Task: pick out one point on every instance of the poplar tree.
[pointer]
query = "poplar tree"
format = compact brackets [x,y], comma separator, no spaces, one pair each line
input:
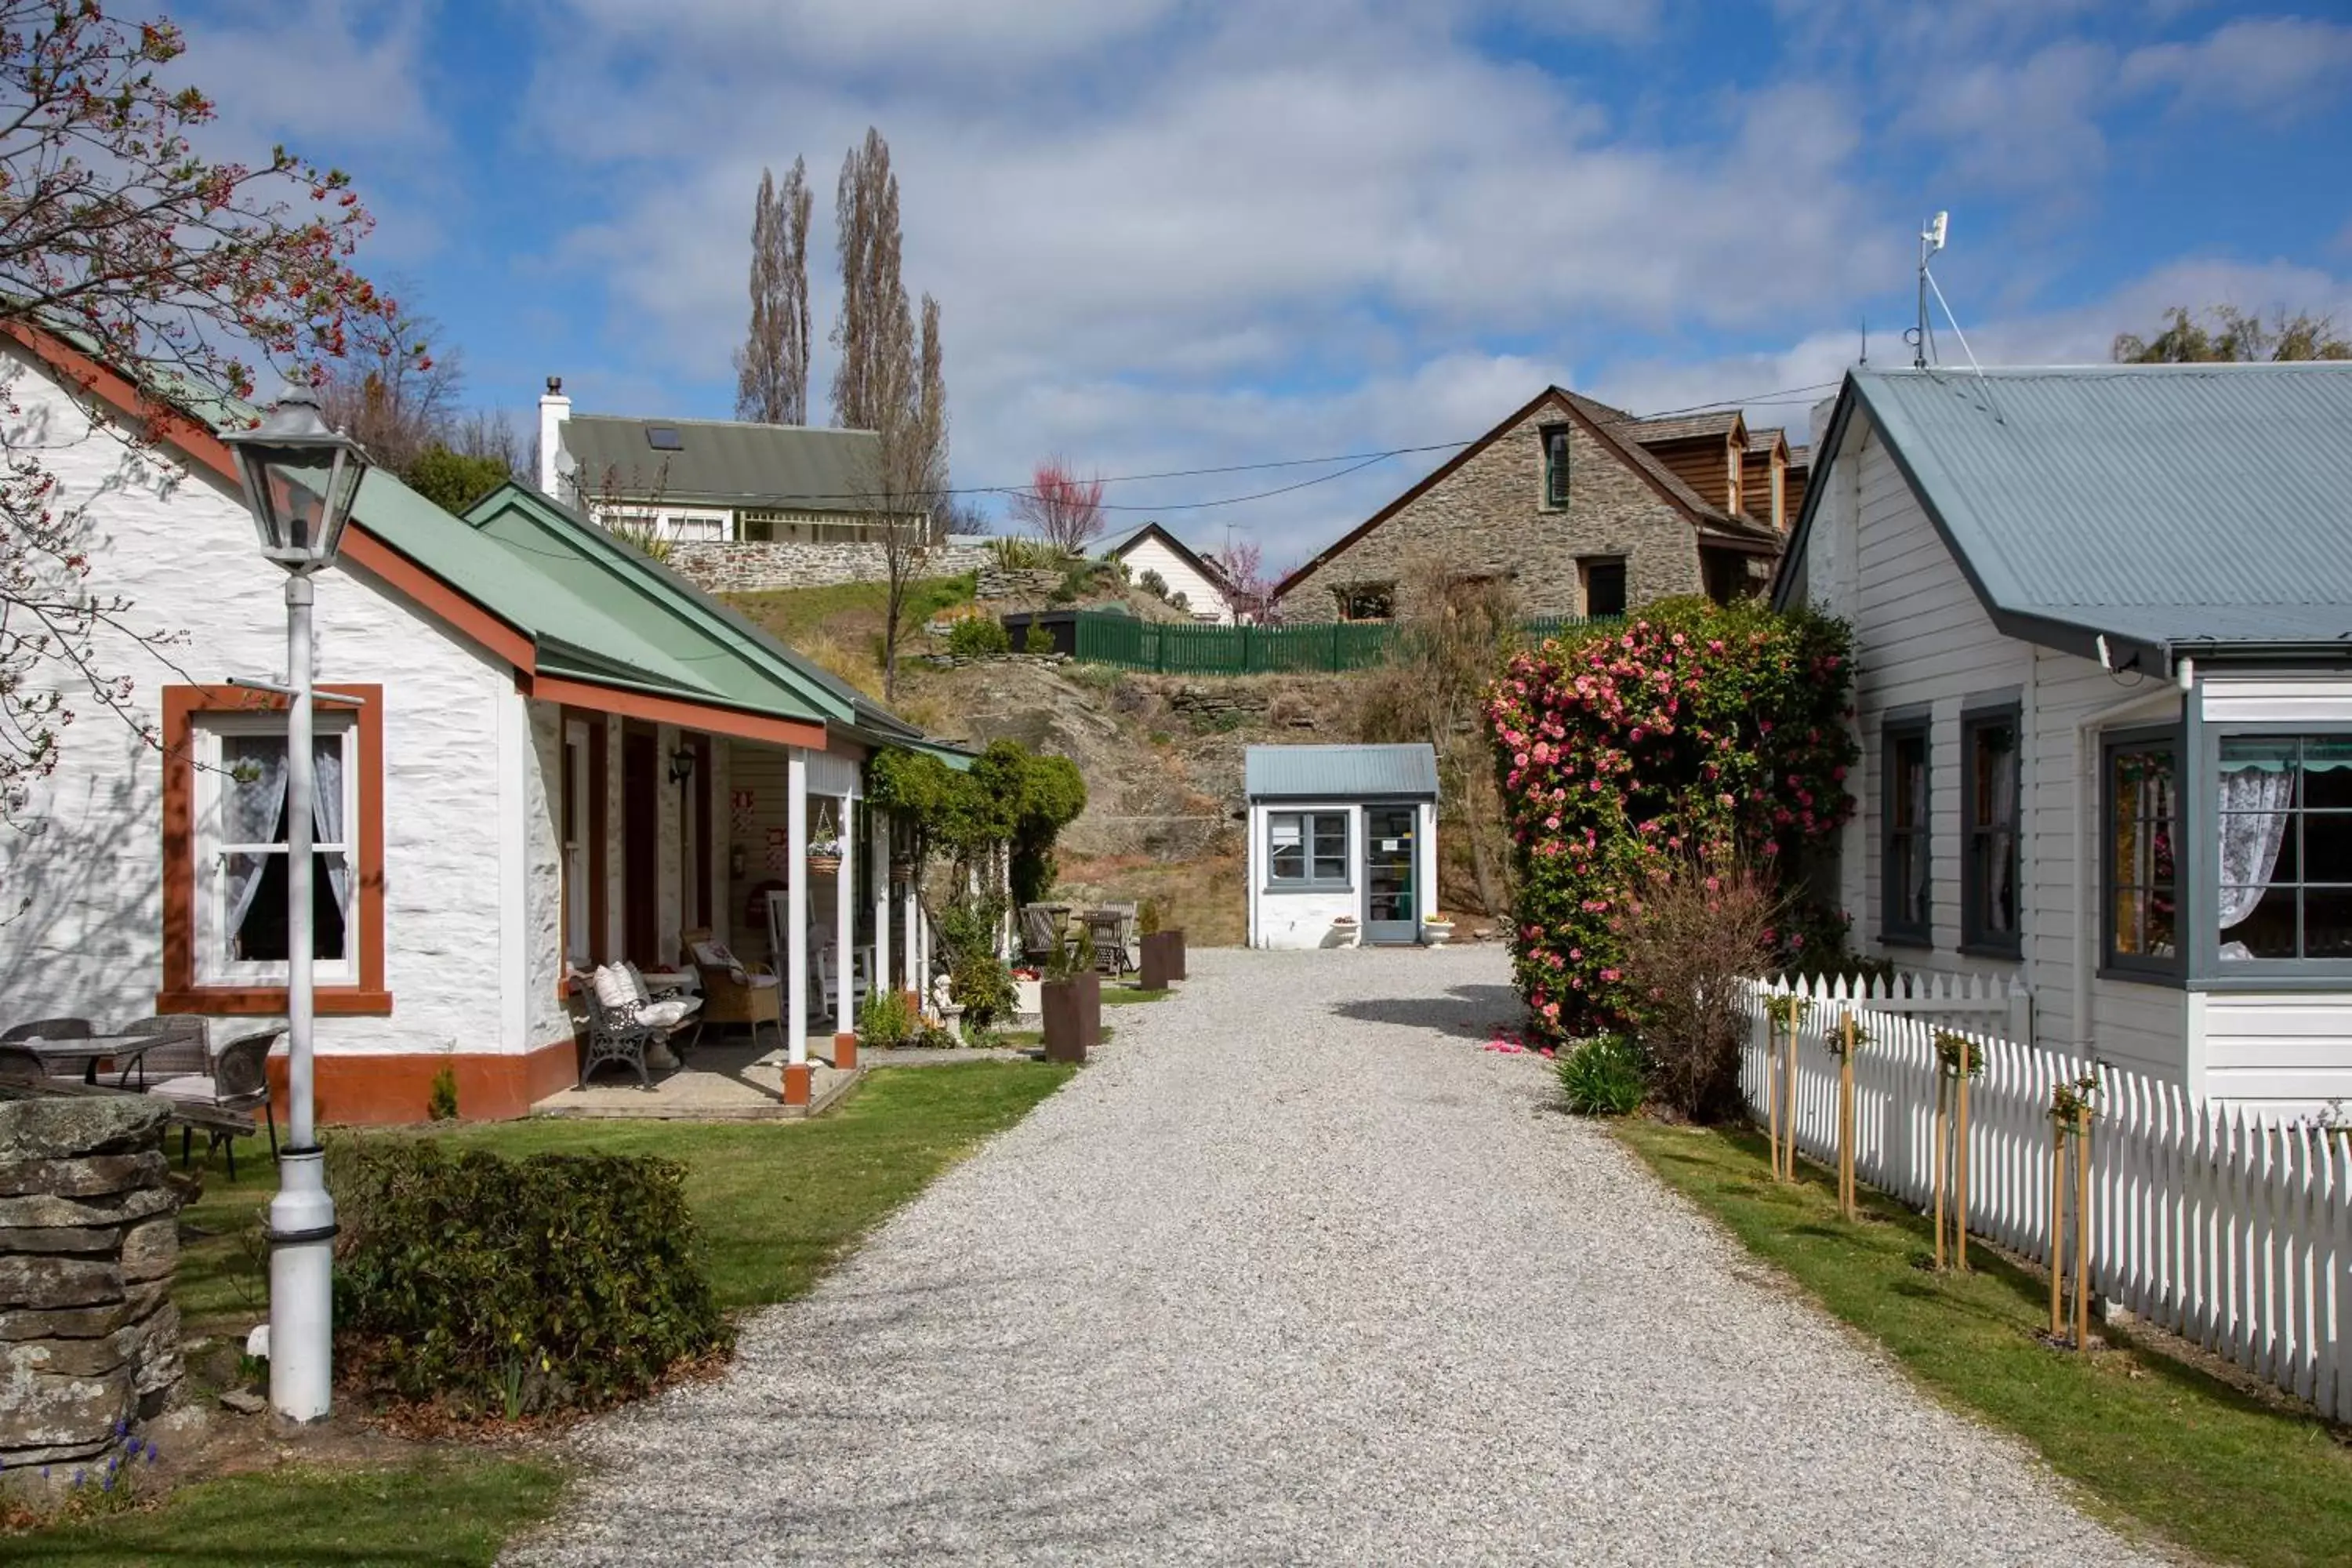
[771,369]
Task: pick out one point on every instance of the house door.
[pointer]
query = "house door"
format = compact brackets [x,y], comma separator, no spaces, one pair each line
[640,847]
[1392,901]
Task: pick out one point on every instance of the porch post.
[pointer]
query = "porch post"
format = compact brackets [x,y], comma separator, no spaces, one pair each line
[795,998]
[879,820]
[845,933]
[917,987]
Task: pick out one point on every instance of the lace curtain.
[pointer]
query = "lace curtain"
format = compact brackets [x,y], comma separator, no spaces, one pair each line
[2253,803]
[253,811]
[327,815]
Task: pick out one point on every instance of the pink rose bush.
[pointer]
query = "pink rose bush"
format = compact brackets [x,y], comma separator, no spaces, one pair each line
[1692,731]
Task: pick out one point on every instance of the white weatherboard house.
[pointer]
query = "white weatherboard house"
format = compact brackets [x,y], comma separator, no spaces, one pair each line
[1152,548]
[2104,638]
[1341,834]
[561,753]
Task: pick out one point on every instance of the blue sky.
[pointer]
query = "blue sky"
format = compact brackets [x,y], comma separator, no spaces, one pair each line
[1169,234]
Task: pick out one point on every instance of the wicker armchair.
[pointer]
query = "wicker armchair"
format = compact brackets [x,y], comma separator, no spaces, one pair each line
[734,992]
[190,1051]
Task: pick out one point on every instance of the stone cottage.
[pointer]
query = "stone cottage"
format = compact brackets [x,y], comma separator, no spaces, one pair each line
[1586,509]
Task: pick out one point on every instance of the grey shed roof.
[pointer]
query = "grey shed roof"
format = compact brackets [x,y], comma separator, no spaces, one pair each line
[792,468]
[1339,773]
[2172,507]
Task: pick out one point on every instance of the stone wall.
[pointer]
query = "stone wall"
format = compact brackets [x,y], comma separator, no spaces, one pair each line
[735,566]
[88,1240]
[1486,517]
[1025,582]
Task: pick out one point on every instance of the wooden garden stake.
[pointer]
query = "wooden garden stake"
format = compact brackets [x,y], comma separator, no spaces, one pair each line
[1845,1118]
[1960,1170]
[1942,1118]
[1772,1085]
[2083,1226]
[2058,1135]
[1789,1149]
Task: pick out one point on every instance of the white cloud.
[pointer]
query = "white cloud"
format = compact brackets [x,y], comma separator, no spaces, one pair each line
[2272,67]
[2032,122]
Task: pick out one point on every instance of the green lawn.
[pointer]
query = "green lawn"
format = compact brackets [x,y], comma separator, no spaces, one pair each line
[792,614]
[777,1203]
[1127,995]
[2237,1478]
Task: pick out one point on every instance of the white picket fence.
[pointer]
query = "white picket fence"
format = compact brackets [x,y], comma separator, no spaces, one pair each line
[2232,1233]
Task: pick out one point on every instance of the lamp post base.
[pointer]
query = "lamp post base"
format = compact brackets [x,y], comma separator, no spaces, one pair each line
[301,1286]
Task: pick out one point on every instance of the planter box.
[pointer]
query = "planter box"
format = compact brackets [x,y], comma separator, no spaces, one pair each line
[1434,934]
[1026,1000]
[1073,1017]
[1163,959]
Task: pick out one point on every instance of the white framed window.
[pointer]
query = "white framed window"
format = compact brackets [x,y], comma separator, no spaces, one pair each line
[1307,849]
[241,869]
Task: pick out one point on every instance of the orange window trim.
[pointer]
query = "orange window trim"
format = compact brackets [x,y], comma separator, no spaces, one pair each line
[681,712]
[179,992]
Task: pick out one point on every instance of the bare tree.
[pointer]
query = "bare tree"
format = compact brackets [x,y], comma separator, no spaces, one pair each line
[869,330]
[771,368]
[1059,508]
[393,403]
[1251,586]
[490,433]
[162,266]
[909,405]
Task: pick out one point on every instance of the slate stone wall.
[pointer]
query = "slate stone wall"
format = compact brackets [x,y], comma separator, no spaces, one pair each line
[1487,517]
[89,1240]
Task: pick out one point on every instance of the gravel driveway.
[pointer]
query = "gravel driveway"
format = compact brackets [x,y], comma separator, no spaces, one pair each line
[1294,1272]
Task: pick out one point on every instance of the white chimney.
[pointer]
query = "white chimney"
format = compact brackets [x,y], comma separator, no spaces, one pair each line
[554,408]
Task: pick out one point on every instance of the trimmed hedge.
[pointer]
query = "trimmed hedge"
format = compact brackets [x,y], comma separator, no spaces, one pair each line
[554,1280]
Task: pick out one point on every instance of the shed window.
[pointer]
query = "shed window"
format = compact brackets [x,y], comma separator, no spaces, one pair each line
[1904,821]
[1989,814]
[1368,602]
[1604,588]
[1307,848]
[1554,452]
[2140,865]
[2285,865]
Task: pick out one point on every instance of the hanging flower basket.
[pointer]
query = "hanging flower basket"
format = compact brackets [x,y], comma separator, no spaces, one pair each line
[825,865]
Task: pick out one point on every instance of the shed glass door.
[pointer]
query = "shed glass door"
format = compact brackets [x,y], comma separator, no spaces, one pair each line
[1391,904]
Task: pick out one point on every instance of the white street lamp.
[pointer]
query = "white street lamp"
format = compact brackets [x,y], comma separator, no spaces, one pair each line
[299,478]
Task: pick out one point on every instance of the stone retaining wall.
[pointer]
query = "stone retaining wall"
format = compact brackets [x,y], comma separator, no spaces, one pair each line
[1025,582]
[89,1240]
[736,566]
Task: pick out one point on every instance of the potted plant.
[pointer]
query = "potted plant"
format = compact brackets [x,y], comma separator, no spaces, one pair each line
[1071,1000]
[1345,933]
[824,846]
[1437,931]
[1162,950]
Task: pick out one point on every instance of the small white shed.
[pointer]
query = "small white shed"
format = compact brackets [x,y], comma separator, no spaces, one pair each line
[1152,548]
[1341,834]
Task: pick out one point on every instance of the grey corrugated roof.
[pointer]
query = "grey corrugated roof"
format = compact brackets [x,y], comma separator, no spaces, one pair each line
[1338,772]
[788,467]
[2172,506]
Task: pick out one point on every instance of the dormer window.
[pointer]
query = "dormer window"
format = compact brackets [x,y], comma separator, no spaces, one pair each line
[664,438]
[1555,459]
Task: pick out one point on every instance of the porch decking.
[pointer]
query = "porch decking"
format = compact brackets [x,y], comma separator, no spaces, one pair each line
[723,1081]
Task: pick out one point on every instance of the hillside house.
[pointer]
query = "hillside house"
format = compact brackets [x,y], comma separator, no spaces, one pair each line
[1587,509]
[2103,636]
[1152,548]
[552,752]
[711,480]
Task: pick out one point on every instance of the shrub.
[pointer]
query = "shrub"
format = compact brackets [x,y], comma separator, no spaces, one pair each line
[979,979]
[1149,918]
[887,1020]
[1690,939]
[1177,601]
[1698,730]
[1039,639]
[1015,553]
[559,1279]
[1602,1076]
[1153,583]
[978,636]
[441,1099]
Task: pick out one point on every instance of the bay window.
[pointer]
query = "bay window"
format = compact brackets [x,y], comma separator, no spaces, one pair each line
[1307,849]
[2284,865]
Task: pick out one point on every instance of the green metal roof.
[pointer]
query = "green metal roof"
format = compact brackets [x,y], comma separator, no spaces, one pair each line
[724,462]
[2174,508]
[1339,773]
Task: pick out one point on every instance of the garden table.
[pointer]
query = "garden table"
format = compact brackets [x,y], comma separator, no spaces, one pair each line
[92,1049]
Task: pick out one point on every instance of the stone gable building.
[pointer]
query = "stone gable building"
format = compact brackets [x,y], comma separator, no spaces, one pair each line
[1587,509]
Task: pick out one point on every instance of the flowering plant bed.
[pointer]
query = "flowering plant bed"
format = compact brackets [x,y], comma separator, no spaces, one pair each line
[1694,734]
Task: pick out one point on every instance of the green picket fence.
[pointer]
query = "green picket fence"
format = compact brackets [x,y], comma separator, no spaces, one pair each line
[1173,648]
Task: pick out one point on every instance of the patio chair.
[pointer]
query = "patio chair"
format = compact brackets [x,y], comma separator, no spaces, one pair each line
[1107,929]
[190,1053]
[734,992]
[669,1009]
[1040,935]
[221,1102]
[19,1065]
[621,1027]
[50,1030]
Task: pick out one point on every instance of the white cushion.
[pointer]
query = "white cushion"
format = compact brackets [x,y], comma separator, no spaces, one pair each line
[613,987]
[669,1012]
[759,982]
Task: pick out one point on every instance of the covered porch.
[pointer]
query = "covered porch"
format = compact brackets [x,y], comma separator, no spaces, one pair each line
[683,849]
